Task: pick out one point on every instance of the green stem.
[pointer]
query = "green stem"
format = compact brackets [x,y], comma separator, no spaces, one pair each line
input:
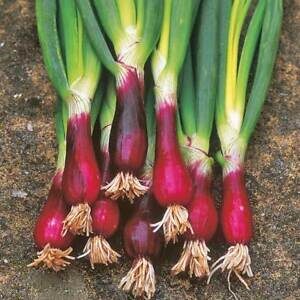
[266,59]
[107,114]
[186,101]
[109,16]
[237,18]
[151,29]
[60,135]
[71,35]
[151,126]
[46,12]
[108,105]
[224,9]
[206,69]
[96,37]
[96,103]
[89,80]
[127,13]
[249,47]
[140,11]
[181,23]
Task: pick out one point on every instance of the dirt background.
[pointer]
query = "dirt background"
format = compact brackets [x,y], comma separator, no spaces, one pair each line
[27,162]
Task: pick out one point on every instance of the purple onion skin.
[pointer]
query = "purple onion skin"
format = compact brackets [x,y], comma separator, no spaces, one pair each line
[81,179]
[49,224]
[172,183]
[106,217]
[203,215]
[138,235]
[128,143]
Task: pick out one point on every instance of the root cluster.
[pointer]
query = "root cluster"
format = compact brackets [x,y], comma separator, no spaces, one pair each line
[99,251]
[236,260]
[194,259]
[174,222]
[125,185]
[79,220]
[53,258]
[140,280]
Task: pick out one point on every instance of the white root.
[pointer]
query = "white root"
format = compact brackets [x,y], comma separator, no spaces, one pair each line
[125,185]
[174,222]
[194,259]
[79,220]
[53,258]
[236,260]
[99,251]
[140,280]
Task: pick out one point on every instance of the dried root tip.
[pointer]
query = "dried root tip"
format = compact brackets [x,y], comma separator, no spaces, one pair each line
[194,259]
[99,251]
[237,260]
[79,220]
[125,185]
[53,258]
[175,222]
[140,280]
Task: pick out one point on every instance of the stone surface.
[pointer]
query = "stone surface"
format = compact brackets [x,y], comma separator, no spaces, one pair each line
[27,162]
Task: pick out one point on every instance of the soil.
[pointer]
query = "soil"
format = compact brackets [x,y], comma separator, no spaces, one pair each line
[27,162]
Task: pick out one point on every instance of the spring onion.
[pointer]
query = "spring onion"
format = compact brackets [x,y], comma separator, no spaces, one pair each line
[236,119]
[74,71]
[54,249]
[172,183]
[197,103]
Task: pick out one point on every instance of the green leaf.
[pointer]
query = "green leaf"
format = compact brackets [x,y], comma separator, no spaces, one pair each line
[206,69]
[60,134]
[181,23]
[127,13]
[153,13]
[70,27]
[187,97]
[96,103]
[268,48]
[246,59]
[237,18]
[109,16]
[108,106]
[96,37]
[224,9]
[46,12]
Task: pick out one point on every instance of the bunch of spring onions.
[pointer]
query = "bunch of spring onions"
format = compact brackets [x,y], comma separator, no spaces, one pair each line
[156,153]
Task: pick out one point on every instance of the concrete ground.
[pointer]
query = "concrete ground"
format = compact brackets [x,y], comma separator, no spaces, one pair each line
[27,162]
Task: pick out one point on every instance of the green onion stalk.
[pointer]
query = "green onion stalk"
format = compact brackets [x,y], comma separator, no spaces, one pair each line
[133,27]
[196,115]
[54,249]
[172,183]
[74,71]
[236,118]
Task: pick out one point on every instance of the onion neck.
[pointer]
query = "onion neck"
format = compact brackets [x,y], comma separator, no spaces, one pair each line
[166,133]
[232,156]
